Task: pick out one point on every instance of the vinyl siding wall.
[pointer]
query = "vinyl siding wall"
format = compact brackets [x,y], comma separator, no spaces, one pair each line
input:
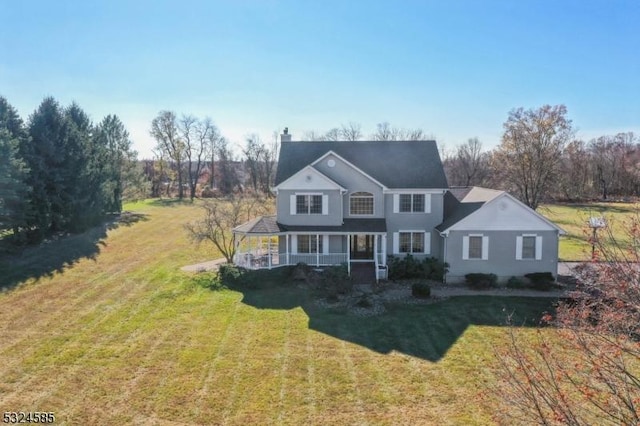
[353,181]
[332,218]
[415,222]
[501,259]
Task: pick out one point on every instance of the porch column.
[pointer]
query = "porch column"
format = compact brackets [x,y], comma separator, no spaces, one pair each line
[236,244]
[317,250]
[375,249]
[375,254]
[269,250]
[286,239]
[384,249]
[349,254]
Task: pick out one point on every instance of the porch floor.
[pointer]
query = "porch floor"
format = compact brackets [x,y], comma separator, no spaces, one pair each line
[363,273]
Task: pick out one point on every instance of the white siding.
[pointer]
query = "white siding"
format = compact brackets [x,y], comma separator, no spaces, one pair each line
[538,247]
[427,243]
[485,248]
[465,247]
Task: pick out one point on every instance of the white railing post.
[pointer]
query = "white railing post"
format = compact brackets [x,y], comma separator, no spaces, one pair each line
[349,254]
[375,254]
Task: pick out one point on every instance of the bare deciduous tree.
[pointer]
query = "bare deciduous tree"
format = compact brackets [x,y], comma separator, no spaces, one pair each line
[332,135]
[228,181]
[351,132]
[574,179]
[164,130]
[468,165]
[253,155]
[385,132]
[220,217]
[531,149]
[588,371]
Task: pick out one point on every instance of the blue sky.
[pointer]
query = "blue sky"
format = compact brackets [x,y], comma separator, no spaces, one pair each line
[452,68]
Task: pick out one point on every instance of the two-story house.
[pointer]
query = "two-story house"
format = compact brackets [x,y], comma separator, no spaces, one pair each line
[358,202]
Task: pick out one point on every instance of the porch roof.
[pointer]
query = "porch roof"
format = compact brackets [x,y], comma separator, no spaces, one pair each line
[263,225]
[359,226]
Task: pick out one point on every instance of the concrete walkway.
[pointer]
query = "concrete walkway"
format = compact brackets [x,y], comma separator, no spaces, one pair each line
[211,265]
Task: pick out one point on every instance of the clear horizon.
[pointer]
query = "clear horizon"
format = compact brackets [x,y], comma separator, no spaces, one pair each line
[454,70]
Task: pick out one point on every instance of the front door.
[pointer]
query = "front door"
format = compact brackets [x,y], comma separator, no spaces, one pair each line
[361,246]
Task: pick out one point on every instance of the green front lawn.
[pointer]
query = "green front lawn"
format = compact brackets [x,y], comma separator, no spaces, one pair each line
[573,218]
[110,331]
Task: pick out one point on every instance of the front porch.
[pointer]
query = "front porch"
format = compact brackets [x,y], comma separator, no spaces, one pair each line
[265,244]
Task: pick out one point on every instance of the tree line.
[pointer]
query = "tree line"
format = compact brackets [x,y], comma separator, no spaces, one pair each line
[187,147]
[60,172]
[539,159]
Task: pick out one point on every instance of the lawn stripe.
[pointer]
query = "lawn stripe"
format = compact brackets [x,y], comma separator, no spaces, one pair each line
[45,361]
[283,368]
[212,366]
[233,399]
[311,376]
[74,372]
[351,370]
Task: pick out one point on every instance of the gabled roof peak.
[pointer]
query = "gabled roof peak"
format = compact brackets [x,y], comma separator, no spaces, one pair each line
[394,164]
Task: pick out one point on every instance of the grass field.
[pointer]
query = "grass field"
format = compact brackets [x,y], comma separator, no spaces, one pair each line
[103,328]
[573,218]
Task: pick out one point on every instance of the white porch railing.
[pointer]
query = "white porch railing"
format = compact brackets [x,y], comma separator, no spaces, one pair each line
[256,260]
[318,259]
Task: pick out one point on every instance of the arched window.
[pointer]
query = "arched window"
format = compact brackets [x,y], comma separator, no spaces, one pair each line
[361,203]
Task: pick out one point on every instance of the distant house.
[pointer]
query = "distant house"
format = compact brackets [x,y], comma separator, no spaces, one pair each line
[359,202]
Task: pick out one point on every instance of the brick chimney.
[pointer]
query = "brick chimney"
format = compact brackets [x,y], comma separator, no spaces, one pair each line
[285,136]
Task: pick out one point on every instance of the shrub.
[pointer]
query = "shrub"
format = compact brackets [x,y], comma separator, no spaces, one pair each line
[335,280]
[364,302]
[409,267]
[208,280]
[516,282]
[229,274]
[542,281]
[233,276]
[481,281]
[421,290]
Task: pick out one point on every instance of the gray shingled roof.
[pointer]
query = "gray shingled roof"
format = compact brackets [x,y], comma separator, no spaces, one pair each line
[460,202]
[395,164]
[349,225]
[265,225]
[259,225]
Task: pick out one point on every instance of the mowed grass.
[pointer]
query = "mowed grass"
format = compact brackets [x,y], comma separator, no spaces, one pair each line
[119,335]
[573,218]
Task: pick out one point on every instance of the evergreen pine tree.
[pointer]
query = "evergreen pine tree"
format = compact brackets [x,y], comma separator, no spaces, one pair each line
[13,189]
[45,156]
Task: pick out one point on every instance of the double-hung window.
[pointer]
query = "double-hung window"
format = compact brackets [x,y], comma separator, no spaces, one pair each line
[309,204]
[416,242]
[528,247]
[310,244]
[475,247]
[412,203]
[361,203]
